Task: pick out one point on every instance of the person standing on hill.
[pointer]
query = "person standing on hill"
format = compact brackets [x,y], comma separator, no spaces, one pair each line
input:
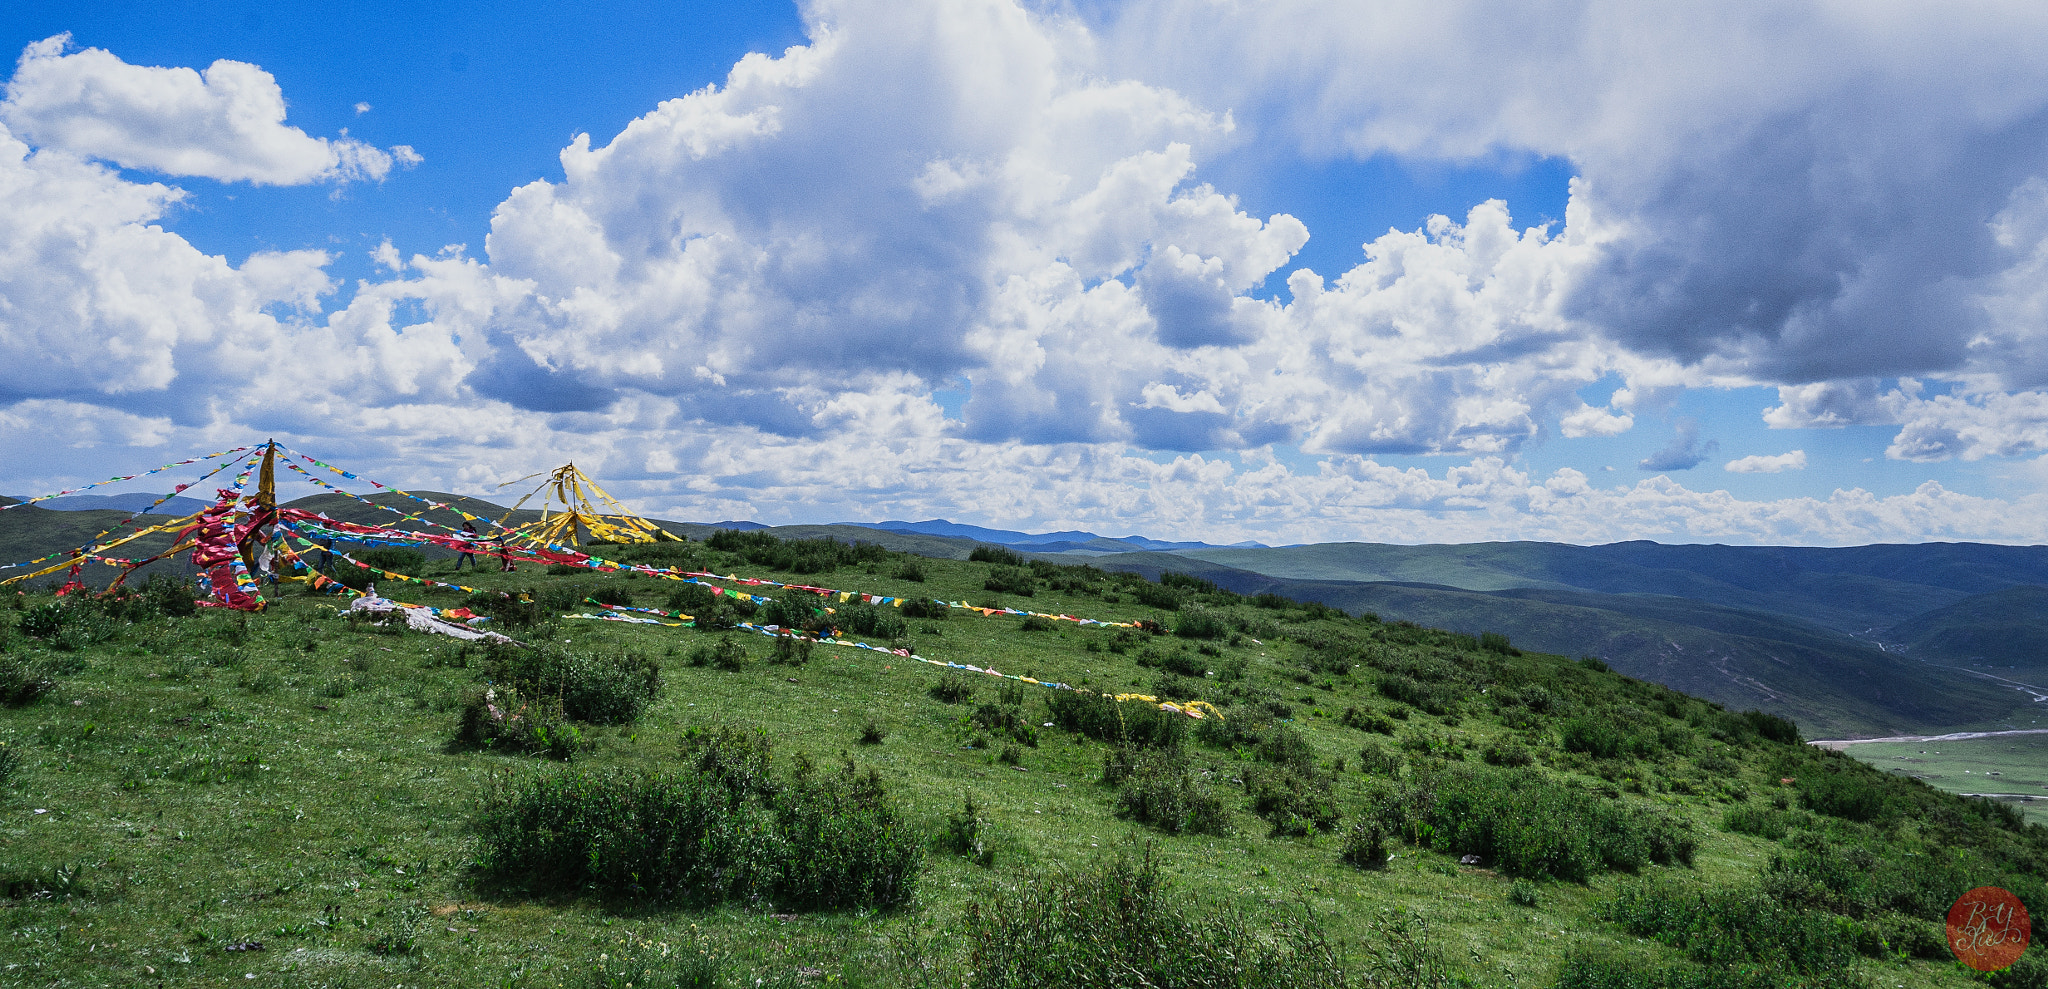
[468,546]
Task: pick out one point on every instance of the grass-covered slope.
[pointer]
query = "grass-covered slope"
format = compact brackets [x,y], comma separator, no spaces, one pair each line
[2006,628]
[311,800]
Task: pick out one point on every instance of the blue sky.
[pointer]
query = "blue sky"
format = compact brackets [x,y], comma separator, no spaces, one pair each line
[1047,265]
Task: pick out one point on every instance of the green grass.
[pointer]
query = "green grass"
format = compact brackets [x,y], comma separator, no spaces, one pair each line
[192,787]
[2015,764]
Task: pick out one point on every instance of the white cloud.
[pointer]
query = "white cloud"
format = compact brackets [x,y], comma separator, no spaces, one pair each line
[225,123]
[1758,463]
[1589,421]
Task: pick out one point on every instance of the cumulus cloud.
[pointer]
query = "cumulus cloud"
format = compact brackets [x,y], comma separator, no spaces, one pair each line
[1770,216]
[224,123]
[1684,452]
[1758,463]
[743,304]
[1589,421]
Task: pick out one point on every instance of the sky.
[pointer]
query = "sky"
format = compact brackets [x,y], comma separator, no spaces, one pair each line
[1288,271]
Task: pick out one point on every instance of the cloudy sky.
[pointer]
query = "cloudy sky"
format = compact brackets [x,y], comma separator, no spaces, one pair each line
[1288,270]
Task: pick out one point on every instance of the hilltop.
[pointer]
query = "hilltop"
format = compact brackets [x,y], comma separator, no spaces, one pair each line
[306,796]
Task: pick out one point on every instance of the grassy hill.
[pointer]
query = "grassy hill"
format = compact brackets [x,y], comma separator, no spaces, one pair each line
[315,800]
[2005,629]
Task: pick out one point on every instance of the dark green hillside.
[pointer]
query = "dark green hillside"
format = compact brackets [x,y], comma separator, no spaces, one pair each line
[2006,628]
[313,800]
[1836,685]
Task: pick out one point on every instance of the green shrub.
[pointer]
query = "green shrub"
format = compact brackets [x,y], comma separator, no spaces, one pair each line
[794,555]
[967,834]
[727,829]
[1532,826]
[790,650]
[397,559]
[985,553]
[1105,720]
[794,609]
[690,599]
[23,680]
[1375,760]
[1496,642]
[1365,846]
[871,732]
[929,608]
[1378,724]
[1157,596]
[1295,799]
[1160,791]
[512,609]
[1176,661]
[1603,736]
[725,654]
[1763,822]
[1523,893]
[1432,698]
[504,720]
[1724,926]
[601,688]
[1506,752]
[952,687]
[1122,924]
[868,620]
[1853,792]
[1010,580]
[173,597]
[1200,623]
[912,571]
[1006,719]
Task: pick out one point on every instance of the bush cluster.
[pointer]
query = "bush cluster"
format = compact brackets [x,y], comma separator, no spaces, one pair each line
[1530,825]
[727,829]
[505,720]
[1200,623]
[1160,790]
[1433,698]
[1010,580]
[866,619]
[1122,924]
[1103,719]
[600,688]
[1001,556]
[1296,800]
[794,555]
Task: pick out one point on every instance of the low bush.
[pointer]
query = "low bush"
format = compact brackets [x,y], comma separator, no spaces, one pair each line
[967,834]
[866,619]
[1296,800]
[790,650]
[724,654]
[952,687]
[397,559]
[1121,923]
[1176,661]
[23,680]
[504,720]
[1530,825]
[1160,791]
[802,611]
[1727,926]
[690,599]
[1378,724]
[1496,642]
[601,688]
[794,555]
[912,571]
[726,829]
[1375,760]
[1365,846]
[1105,720]
[1764,822]
[985,553]
[1006,719]
[1200,623]
[1157,596]
[1506,752]
[1432,698]
[1604,737]
[1010,580]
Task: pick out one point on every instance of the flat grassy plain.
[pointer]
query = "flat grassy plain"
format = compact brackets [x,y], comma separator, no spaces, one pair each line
[274,799]
[2014,764]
